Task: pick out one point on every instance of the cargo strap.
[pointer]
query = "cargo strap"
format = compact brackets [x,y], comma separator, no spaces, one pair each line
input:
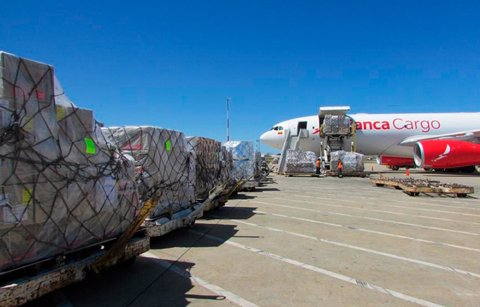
[116,252]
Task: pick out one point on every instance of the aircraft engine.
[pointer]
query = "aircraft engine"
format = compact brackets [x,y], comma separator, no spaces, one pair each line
[440,154]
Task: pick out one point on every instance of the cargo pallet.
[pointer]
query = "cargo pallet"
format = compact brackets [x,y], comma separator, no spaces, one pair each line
[25,284]
[184,218]
[250,185]
[215,198]
[414,187]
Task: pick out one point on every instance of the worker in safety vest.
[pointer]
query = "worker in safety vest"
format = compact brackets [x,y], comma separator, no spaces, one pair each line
[340,169]
[317,166]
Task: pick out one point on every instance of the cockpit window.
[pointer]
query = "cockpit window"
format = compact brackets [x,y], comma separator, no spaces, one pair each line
[280,128]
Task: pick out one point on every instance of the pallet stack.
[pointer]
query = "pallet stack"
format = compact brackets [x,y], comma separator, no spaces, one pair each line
[62,186]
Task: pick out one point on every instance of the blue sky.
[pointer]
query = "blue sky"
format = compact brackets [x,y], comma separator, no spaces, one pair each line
[173,63]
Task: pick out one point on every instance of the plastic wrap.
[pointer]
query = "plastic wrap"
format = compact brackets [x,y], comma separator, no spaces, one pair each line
[336,124]
[164,165]
[258,164]
[352,161]
[226,162]
[62,186]
[207,164]
[243,159]
[299,161]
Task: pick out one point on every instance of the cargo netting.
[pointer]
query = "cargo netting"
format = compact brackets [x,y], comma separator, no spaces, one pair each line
[258,165]
[300,161]
[352,161]
[62,186]
[165,167]
[243,159]
[336,124]
[207,165]
[226,162]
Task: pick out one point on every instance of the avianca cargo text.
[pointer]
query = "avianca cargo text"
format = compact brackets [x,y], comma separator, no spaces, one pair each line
[399,124]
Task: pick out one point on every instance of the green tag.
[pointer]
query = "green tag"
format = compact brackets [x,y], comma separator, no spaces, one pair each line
[28,124]
[168,145]
[60,112]
[26,196]
[90,147]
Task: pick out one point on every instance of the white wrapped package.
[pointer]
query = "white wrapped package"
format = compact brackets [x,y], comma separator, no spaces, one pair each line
[62,187]
[207,165]
[352,161]
[336,124]
[243,159]
[299,162]
[164,164]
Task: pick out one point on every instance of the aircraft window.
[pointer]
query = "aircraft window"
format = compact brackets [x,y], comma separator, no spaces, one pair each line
[275,128]
[280,128]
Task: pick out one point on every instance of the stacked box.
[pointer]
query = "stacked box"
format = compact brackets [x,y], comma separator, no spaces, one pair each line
[164,164]
[243,159]
[352,161]
[226,163]
[300,162]
[336,124]
[207,164]
[61,186]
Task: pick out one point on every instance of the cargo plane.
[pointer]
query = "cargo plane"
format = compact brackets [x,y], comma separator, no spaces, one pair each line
[436,141]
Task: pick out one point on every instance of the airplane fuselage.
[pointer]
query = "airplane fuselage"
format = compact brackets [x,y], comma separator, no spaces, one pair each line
[379,134]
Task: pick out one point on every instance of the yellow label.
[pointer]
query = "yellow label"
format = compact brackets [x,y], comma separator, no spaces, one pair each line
[60,111]
[28,124]
[26,196]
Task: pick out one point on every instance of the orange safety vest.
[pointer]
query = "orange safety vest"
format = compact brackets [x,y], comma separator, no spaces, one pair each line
[317,163]
[340,165]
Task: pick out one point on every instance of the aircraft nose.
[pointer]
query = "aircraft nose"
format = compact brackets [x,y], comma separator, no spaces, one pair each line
[266,138]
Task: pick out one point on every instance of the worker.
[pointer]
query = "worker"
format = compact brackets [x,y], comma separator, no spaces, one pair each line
[340,168]
[317,166]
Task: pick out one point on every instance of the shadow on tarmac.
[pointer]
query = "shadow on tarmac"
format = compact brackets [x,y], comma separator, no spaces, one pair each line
[242,196]
[193,238]
[262,189]
[231,213]
[147,282]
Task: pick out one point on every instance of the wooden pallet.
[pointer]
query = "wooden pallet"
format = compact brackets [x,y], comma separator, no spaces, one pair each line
[414,187]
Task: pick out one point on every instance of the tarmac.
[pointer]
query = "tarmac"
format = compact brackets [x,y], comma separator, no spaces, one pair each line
[308,241]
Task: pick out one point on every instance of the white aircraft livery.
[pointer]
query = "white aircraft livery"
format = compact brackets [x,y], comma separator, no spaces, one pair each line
[428,140]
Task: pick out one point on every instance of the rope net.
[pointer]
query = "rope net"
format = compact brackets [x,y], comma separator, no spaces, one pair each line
[62,185]
[226,164]
[207,165]
[165,166]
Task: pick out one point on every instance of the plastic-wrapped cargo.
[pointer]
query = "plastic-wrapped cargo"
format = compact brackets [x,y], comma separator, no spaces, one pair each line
[243,159]
[164,165]
[207,164]
[62,187]
[226,163]
[258,165]
[300,162]
[336,124]
[352,161]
